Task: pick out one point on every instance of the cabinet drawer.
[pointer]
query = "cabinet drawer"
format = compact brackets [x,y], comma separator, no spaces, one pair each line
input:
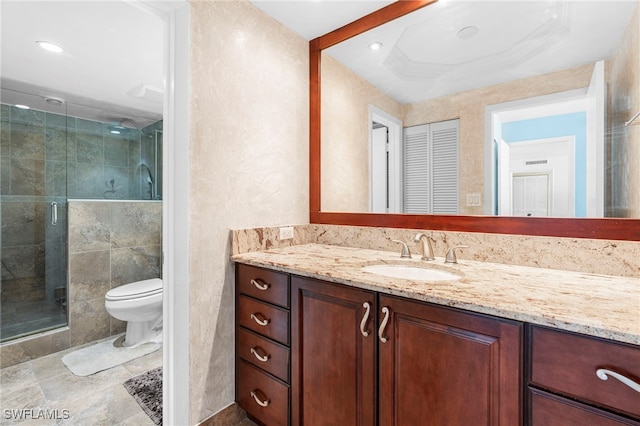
[252,314]
[263,284]
[263,353]
[552,410]
[567,363]
[267,390]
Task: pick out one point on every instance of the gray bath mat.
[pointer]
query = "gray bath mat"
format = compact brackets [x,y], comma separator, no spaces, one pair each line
[104,355]
[146,389]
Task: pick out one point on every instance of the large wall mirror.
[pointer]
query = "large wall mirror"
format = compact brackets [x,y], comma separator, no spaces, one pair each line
[502,117]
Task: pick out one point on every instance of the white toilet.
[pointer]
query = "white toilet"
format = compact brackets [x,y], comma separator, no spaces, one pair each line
[140,305]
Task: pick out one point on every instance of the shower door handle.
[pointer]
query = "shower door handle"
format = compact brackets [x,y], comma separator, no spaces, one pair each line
[54,213]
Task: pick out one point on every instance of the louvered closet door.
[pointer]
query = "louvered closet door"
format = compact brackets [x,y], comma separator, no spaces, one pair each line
[431,168]
[417,166]
[444,137]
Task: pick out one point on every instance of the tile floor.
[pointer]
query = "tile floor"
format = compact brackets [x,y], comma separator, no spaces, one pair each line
[47,384]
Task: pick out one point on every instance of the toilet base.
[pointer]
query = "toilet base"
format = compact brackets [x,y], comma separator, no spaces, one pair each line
[141,331]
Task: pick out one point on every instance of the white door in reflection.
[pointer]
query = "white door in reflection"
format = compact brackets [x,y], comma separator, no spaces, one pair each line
[544,171]
[379,169]
[531,194]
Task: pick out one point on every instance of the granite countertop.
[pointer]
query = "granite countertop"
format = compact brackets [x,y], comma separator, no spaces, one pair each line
[597,305]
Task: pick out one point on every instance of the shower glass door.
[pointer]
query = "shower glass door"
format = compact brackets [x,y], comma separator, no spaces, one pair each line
[33,199]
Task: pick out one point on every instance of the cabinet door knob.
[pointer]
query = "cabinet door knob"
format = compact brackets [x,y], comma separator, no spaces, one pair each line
[261,358]
[260,285]
[365,318]
[603,373]
[262,322]
[258,401]
[383,325]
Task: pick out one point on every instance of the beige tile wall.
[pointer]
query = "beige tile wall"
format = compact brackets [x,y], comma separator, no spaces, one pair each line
[110,244]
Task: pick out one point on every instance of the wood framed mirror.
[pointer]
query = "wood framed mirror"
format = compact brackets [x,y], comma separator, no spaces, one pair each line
[598,228]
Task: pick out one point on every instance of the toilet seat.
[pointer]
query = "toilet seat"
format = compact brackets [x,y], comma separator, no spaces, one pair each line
[135,290]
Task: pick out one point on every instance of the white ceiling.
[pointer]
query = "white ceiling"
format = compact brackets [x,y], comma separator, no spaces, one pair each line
[114,46]
[111,47]
[422,57]
[313,18]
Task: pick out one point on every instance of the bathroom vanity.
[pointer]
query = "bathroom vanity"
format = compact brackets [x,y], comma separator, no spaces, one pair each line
[321,341]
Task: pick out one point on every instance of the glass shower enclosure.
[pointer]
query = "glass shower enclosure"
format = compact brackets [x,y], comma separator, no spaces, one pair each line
[33,184]
[46,158]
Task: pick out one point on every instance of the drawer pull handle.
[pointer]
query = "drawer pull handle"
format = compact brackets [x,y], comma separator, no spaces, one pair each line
[262,322]
[365,318]
[264,286]
[258,401]
[259,357]
[602,375]
[385,320]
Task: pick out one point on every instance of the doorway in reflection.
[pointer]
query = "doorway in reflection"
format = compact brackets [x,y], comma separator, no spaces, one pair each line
[547,153]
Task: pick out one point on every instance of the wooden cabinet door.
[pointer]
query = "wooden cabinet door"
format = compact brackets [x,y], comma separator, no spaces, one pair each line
[440,366]
[333,364]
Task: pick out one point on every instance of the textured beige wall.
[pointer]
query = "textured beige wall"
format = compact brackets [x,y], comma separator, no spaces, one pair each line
[249,167]
[469,108]
[624,88]
[345,136]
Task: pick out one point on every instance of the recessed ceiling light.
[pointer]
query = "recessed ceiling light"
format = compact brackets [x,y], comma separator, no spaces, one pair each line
[22,106]
[376,45]
[51,47]
[116,130]
[468,32]
[54,101]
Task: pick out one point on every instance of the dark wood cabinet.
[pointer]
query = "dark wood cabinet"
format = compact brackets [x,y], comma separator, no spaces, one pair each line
[442,366]
[436,365]
[262,345]
[581,371]
[333,361]
[310,353]
[548,409]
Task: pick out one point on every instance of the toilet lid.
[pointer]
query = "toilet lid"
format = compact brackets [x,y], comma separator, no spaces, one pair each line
[136,289]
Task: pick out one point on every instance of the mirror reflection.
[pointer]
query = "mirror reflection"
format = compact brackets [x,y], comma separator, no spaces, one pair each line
[462,110]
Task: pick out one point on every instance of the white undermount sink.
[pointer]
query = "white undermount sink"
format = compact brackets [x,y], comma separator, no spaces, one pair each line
[408,272]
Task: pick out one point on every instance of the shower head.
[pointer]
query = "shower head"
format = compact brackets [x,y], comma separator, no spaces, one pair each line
[120,128]
[130,121]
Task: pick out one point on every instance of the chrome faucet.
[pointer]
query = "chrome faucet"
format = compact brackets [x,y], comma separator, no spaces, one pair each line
[427,248]
[405,249]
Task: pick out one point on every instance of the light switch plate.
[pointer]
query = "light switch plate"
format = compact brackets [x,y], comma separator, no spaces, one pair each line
[473,200]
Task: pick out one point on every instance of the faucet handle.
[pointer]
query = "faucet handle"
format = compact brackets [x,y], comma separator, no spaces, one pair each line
[405,249]
[451,254]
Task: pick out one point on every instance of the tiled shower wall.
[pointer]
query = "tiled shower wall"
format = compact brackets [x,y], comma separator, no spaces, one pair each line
[47,157]
[51,154]
[110,243]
